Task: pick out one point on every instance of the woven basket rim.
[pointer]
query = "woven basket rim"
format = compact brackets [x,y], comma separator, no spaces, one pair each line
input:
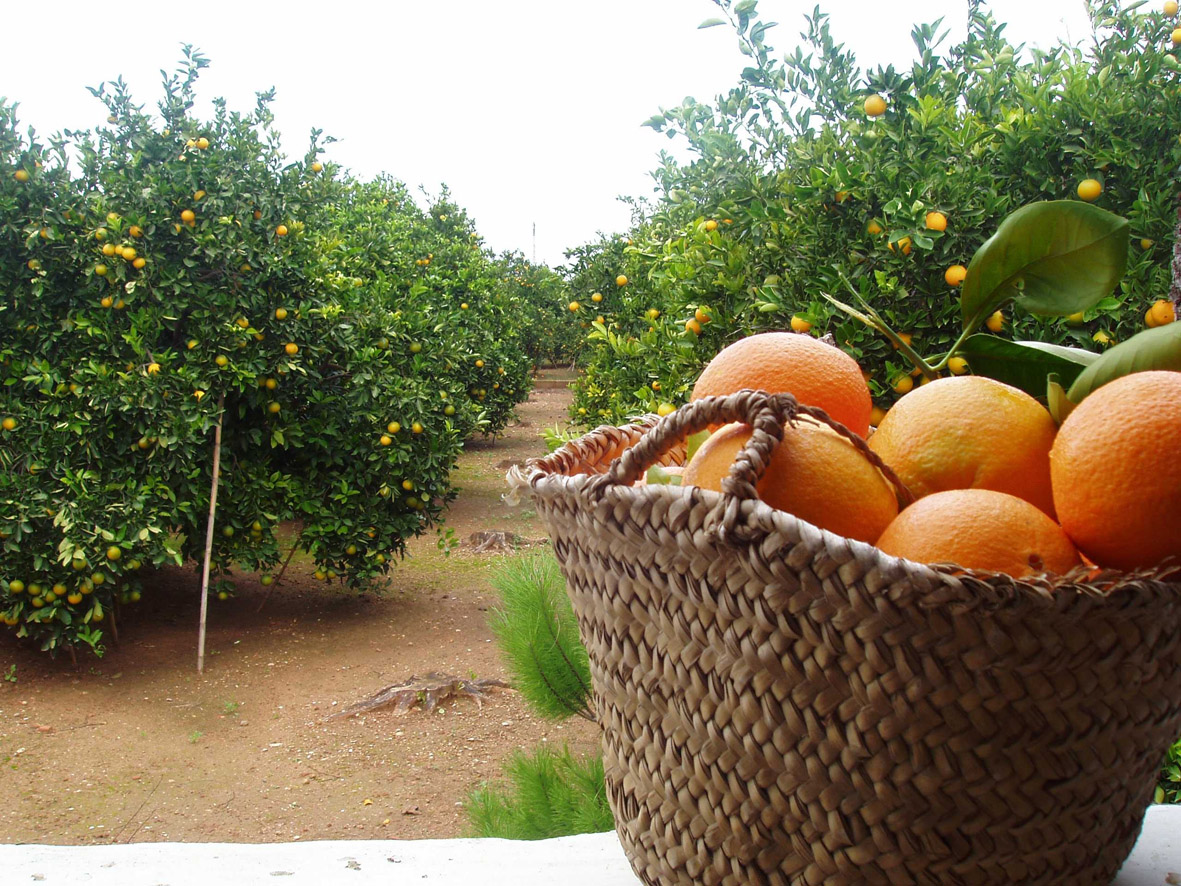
[545,475]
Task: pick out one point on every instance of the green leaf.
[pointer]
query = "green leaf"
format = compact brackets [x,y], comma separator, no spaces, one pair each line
[1053,257]
[658,476]
[1024,364]
[1158,348]
[1056,399]
[694,443]
[711,23]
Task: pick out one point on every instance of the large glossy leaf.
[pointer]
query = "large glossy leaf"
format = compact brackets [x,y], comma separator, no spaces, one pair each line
[1158,348]
[1053,257]
[1024,364]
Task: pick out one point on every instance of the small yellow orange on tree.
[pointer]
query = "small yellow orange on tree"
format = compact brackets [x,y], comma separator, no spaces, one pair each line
[874,106]
[955,275]
[691,325]
[273,407]
[1116,471]
[317,166]
[188,217]
[1146,244]
[702,315]
[281,231]
[596,297]
[1101,338]
[995,321]
[114,552]
[980,529]
[1161,313]
[291,348]
[957,366]
[799,324]
[816,373]
[814,473]
[574,306]
[280,313]
[100,270]
[135,231]
[621,280]
[108,249]
[393,427]
[385,439]
[873,227]
[416,428]
[904,384]
[153,368]
[140,263]
[903,246]
[1170,7]
[8,423]
[936,221]
[1089,190]
[711,226]
[969,431]
[1176,36]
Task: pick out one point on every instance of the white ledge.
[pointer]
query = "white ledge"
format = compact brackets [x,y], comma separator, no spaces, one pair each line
[587,860]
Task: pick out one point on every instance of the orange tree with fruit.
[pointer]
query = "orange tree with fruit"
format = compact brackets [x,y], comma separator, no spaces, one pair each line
[162,275]
[813,176]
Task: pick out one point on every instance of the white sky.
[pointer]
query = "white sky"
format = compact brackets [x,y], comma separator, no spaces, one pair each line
[530,111]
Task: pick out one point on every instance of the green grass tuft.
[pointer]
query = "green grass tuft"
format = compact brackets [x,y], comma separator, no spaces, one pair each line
[549,794]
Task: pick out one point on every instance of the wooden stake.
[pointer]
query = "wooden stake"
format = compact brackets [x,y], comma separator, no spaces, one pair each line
[279,577]
[209,535]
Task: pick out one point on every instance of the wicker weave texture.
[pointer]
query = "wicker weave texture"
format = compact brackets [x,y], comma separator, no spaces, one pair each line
[781,705]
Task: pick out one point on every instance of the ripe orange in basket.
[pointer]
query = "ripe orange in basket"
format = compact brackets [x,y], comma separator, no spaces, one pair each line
[816,373]
[969,432]
[814,473]
[980,529]
[1116,469]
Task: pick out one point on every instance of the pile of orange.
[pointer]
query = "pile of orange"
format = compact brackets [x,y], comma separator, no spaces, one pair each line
[997,485]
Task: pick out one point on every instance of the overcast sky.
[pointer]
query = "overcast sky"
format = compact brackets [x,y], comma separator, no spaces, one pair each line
[530,111]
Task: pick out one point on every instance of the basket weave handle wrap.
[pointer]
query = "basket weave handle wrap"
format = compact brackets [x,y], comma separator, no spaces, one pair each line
[766,414]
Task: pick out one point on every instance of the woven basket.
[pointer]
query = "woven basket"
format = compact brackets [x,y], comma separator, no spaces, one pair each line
[783,705]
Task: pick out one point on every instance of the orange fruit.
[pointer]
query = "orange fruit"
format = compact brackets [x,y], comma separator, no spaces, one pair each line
[1161,313]
[936,221]
[980,529]
[1089,189]
[799,324]
[875,106]
[969,432]
[814,474]
[955,275]
[816,373]
[1116,471]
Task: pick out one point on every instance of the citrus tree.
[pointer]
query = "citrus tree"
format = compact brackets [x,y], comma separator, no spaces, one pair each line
[837,180]
[164,275]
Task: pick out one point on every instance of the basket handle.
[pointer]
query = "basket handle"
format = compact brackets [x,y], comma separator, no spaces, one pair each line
[766,414]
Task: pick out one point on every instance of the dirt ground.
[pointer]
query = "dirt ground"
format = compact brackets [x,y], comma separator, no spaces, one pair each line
[137,746]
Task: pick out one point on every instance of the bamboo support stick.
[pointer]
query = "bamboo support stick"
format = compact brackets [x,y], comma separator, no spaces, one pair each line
[209,536]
